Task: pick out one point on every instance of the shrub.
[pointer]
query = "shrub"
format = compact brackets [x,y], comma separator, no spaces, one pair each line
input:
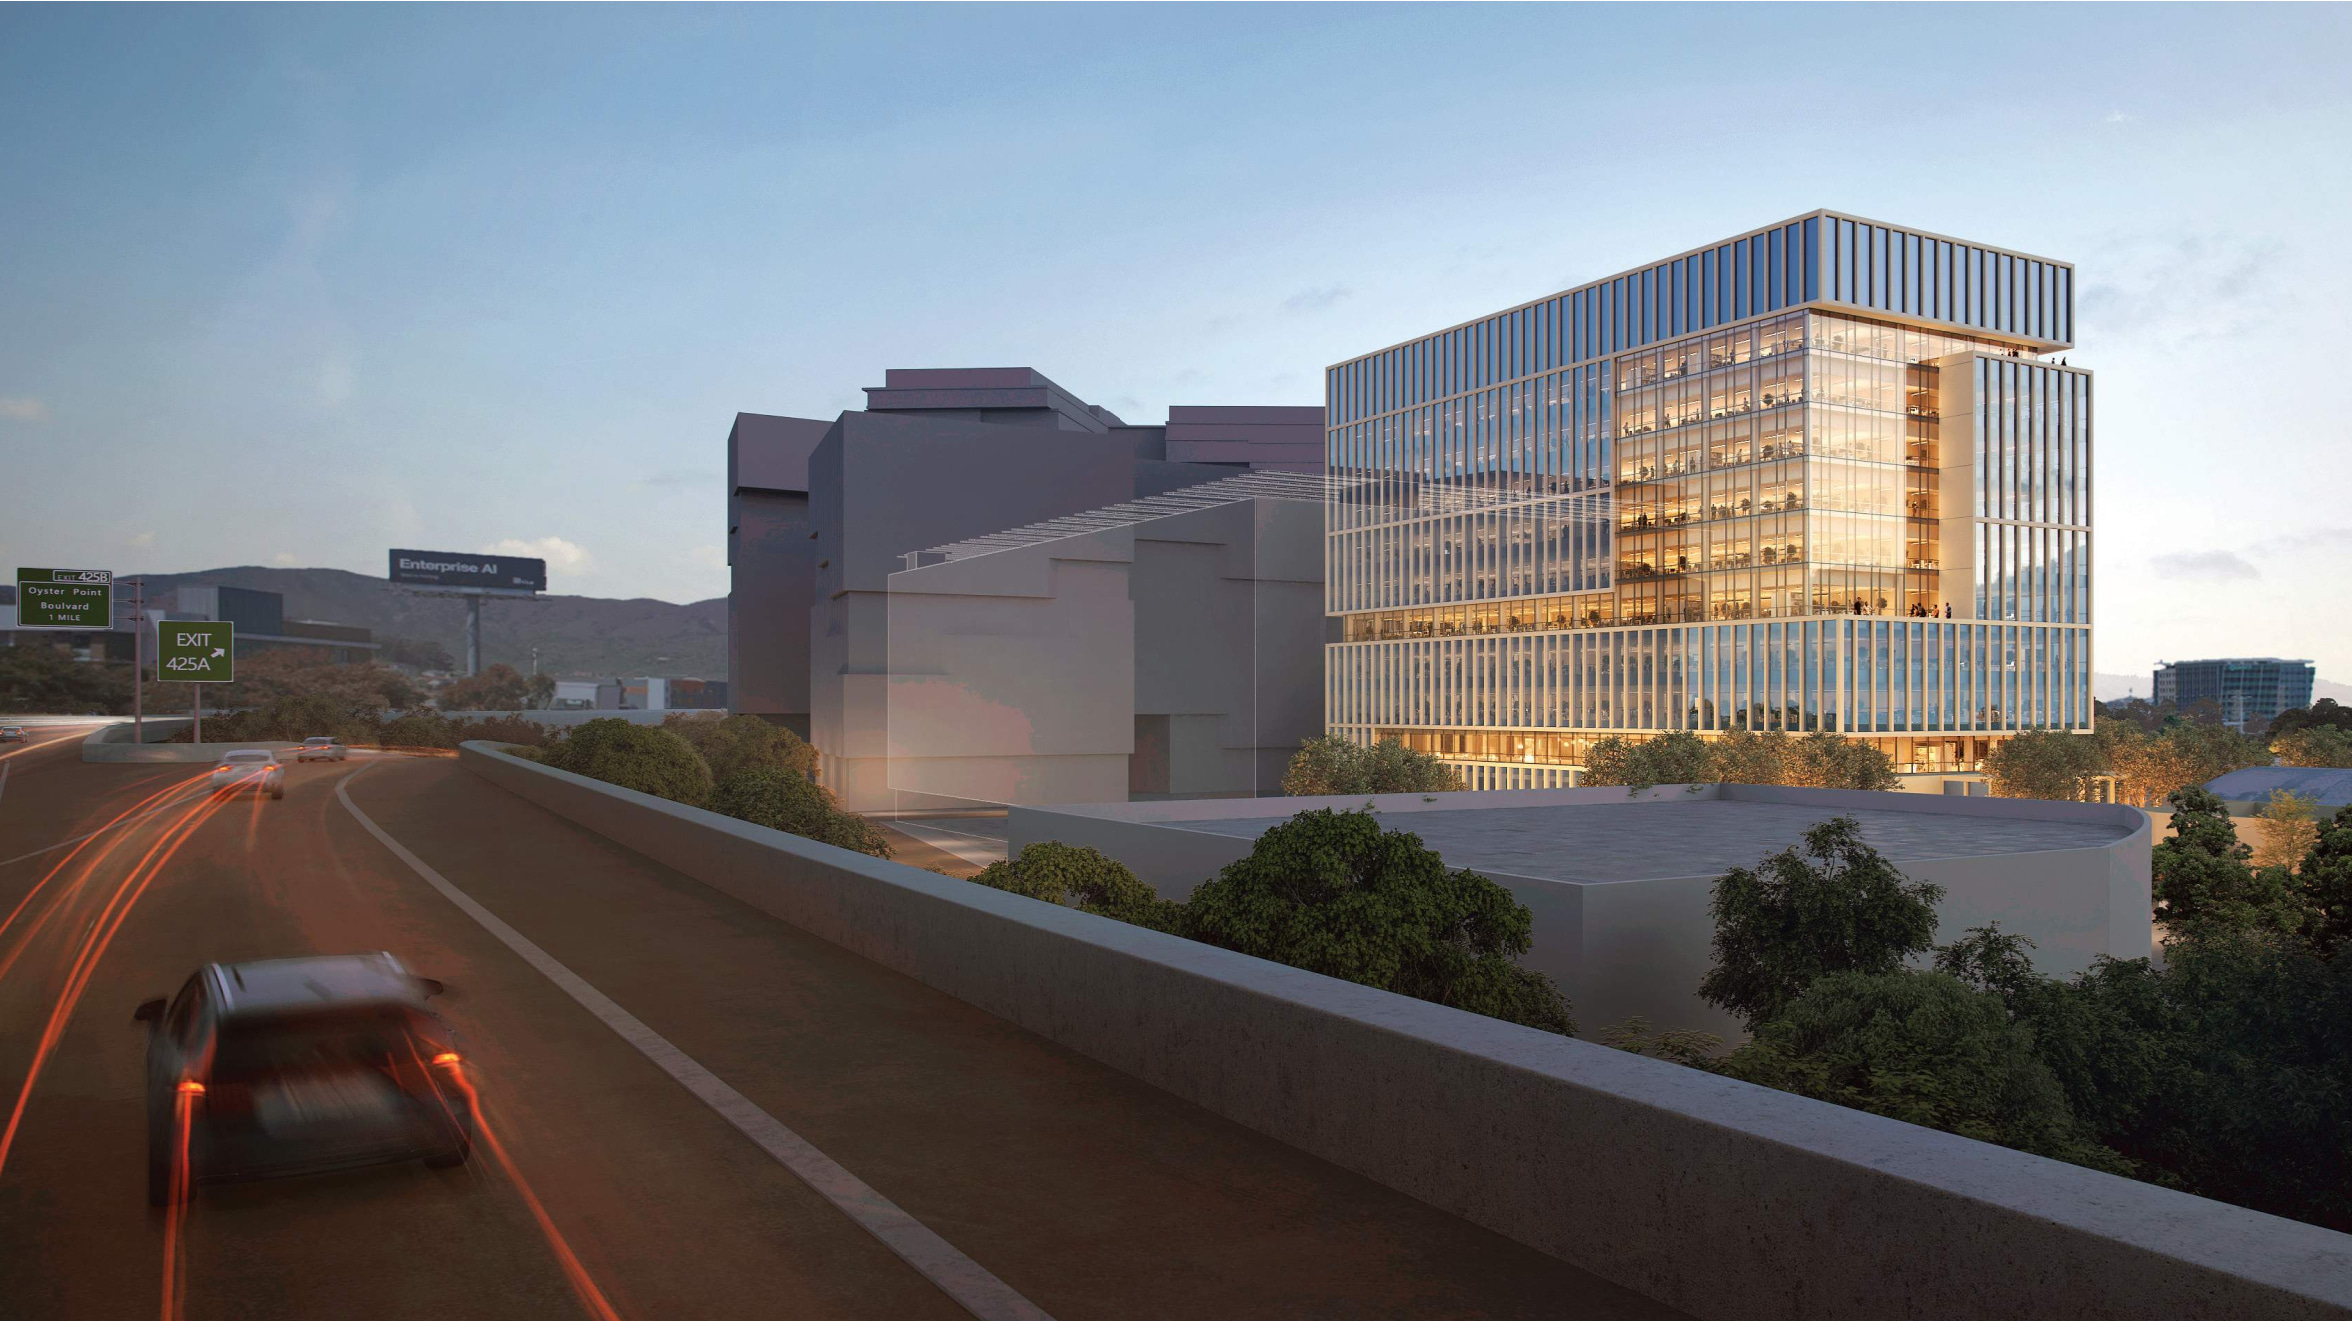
[1331,892]
[1831,905]
[1677,758]
[1822,760]
[739,742]
[1332,765]
[641,757]
[793,803]
[1084,879]
[1925,1048]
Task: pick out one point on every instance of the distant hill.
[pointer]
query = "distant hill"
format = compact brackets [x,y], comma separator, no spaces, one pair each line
[578,637]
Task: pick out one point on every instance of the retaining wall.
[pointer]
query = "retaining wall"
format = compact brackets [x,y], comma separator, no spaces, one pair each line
[1714,1196]
[113,743]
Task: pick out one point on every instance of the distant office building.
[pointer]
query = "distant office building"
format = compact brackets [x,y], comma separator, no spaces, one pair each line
[1827,475]
[2251,692]
[652,693]
[936,457]
[574,695]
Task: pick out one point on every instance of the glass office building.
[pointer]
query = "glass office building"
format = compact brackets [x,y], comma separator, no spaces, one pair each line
[2251,691]
[1828,475]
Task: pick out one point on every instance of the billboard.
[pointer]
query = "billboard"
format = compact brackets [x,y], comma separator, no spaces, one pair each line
[436,568]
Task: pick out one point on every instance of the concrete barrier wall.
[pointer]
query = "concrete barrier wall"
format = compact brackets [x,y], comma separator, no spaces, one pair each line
[1723,1199]
[112,744]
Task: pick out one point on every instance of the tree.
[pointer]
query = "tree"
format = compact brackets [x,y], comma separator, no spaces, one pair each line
[1922,1047]
[641,757]
[2044,763]
[498,688]
[1084,879]
[415,655]
[2314,745]
[1832,904]
[2202,878]
[36,678]
[742,741]
[2290,826]
[1676,1045]
[1681,757]
[1332,892]
[2326,874]
[1332,765]
[2326,713]
[541,689]
[1743,756]
[1822,760]
[791,802]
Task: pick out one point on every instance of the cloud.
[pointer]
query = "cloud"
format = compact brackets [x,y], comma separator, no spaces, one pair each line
[559,553]
[683,477]
[2316,539]
[285,557]
[2209,564]
[23,408]
[143,540]
[2118,117]
[1315,300]
[2183,288]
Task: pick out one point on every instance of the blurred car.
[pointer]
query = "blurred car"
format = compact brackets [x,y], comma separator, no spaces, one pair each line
[293,1066]
[322,749]
[12,734]
[250,768]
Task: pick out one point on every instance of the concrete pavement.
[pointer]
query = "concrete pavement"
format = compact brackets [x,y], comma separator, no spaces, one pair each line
[1090,1193]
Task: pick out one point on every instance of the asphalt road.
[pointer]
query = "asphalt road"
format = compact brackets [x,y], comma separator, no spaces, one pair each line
[1091,1194]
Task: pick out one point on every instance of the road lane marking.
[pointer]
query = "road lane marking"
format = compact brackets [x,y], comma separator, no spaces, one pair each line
[52,848]
[3,778]
[967,1282]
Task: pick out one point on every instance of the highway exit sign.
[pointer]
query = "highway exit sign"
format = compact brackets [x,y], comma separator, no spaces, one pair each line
[196,651]
[65,598]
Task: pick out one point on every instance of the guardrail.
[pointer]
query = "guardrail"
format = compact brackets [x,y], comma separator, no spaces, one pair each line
[1714,1196]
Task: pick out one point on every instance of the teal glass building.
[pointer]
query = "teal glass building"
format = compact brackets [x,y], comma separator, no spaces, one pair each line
[1831,474]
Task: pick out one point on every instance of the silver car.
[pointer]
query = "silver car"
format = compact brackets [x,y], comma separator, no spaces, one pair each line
[322,749]
[12,734]
[249,768]
[291,1066]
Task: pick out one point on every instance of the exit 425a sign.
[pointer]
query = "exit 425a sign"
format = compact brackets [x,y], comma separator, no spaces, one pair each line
[196,651]
[65,598]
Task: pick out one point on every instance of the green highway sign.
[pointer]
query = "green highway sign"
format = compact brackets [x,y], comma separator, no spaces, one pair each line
[196,651]
[65,598]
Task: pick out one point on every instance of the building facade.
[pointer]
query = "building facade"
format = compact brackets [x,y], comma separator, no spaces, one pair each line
[1828,475]
[2251,691]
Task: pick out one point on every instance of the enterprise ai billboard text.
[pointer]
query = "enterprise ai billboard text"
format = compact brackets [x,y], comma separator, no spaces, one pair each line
[435,568]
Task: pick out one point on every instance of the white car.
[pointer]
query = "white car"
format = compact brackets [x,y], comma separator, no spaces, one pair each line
[250,768]
[322,749]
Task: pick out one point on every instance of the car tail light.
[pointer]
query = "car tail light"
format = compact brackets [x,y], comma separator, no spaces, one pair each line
[191,1087]
[447,1057]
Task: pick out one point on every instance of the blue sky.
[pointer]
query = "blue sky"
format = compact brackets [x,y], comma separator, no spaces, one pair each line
[291,285]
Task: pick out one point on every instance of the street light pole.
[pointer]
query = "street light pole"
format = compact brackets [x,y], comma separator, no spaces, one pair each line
[138,659]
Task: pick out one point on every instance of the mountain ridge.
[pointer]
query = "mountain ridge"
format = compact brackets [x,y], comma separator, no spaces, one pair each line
[578,637]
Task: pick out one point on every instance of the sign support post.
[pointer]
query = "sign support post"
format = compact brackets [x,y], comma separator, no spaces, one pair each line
[196,652]
[138,659]
[196,705]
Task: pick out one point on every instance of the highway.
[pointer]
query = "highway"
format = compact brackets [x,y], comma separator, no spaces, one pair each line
[609,1189]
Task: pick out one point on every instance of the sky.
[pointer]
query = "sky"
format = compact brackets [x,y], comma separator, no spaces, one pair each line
[292,285]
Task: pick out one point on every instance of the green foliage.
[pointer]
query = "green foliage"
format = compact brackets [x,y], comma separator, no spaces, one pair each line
[2045,763]
[790,801]
[1819,760]
[2326,713]
[418,655]
[640,757]
[1831,905]
[1333,893]
[1085,879]
[1677,758]
[499,688]
[2326,876]
[741,742]
[2315,745]
[1676,1045]
[2202,880]
[1923,1047]
[1332,765]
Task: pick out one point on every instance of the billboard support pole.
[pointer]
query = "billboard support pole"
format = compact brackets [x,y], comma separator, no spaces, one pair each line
[138,658]
[473,635]
[196,705]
